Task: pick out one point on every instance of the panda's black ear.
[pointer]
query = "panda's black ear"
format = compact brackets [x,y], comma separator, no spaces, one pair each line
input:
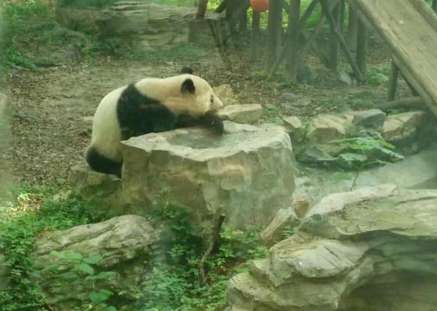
[188,86]
[186,70]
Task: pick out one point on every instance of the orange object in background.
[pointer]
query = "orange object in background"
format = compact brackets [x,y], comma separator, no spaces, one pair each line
[259,5]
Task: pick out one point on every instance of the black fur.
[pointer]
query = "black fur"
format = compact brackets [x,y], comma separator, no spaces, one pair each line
[186,70]
[102,164]
[188,86]
[139,114]
[210,120]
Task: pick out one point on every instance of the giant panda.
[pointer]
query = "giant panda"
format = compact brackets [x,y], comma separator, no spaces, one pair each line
[150,105]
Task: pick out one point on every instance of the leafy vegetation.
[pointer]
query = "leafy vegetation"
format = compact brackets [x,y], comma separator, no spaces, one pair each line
[173,284]
[84,272]
[36,209]
[377,76]
[361,152]
[21,21]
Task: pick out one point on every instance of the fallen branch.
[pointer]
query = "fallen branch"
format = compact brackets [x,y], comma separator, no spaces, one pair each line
[215,240]
[410,103]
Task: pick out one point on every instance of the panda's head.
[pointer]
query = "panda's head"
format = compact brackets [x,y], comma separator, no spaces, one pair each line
[201,89]
[182,94]
[200,93]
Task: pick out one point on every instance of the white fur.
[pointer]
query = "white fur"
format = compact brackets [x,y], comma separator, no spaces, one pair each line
[106,133]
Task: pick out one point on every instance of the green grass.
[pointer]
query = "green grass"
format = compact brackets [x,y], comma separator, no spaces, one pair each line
[27,25]
[169,286]
[35,209]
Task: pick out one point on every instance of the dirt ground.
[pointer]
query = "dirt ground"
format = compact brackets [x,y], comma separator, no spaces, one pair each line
[51,125]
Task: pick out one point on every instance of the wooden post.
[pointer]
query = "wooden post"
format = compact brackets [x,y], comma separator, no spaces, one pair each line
[334,54]
[411,87]
[273,33]
[256,19]
[362,47]
[242,27]
[235,9]
[203,4]
[292,61]
[327,12]
[392,82]
[352,30]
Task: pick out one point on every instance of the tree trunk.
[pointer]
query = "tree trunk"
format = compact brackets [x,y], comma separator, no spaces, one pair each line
[294,33]
[256,19]
[274,33]
[352,31]
[203,4]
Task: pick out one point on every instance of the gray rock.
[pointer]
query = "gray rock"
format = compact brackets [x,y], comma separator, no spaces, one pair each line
[345,78]
[275,230]
[247,174]
[402,127]
[375,242]
[295,126]
[145,26]
[301,206]
[288,97]
[226,94]
[125,243]
[72,17]
[305,73]
[315,155]
[373,118]
[88,119]
[102,191]
[326,128]
[296,104]
[242,113]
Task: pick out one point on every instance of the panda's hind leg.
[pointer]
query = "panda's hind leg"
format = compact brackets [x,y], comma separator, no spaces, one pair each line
[102,164]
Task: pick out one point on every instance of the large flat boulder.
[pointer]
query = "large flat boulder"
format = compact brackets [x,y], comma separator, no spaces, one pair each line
[247,174]
[370,249]
[143,26]
[126,245]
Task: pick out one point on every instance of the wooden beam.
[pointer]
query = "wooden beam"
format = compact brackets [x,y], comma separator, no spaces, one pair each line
[334,46]
[312,38]
[327,12]
[409,103]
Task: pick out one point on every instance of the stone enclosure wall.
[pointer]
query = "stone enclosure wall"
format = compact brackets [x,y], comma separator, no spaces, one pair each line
[135,26]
